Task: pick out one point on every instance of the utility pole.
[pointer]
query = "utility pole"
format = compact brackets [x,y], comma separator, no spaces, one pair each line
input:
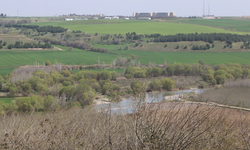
[203,8]
[209,9]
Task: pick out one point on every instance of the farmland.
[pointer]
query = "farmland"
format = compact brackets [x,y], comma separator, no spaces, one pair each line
[140,27]
[68,58]
[7,100]
[237,24]
[15,59]
[190,57]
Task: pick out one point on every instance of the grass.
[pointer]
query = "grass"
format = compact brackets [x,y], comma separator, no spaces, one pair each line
[4,71]
[10,60]
[140,27]
[110,47]
[190,57]
[241,25]
[65,57]
[12,38]
[7,100]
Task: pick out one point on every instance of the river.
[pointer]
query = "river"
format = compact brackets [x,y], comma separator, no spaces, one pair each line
[127,105]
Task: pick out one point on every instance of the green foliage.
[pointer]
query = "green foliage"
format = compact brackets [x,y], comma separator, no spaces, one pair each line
[48,101]
[201,62]
[66,73]
[168,84]
[105,75]
[42,89]
[137,87]
[183,69]
[135,72]
[68,91]
[66,83]
[155,85]
[27,104]
[106,86]
[132,56]
[114,75]
[48,63]
[84,94]
[26,87]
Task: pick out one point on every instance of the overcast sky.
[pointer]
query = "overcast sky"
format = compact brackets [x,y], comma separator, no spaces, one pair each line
[124,7]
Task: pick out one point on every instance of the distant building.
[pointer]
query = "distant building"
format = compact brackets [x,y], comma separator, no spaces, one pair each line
[172,14]
[115,18]
[68,19]
[144,18]
[108,18]
[125,18]
[160,14]
[208,17]
[96,18]
[245,16]
[155,14]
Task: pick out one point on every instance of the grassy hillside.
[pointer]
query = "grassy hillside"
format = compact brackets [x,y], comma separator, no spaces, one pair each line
[191,57]
[140,27]
[241,25]
[68,58]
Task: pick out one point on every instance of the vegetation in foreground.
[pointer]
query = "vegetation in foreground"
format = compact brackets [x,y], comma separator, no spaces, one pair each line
[155,126]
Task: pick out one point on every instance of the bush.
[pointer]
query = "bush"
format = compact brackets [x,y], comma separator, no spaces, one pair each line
[27,104]
[48,63]
[168,84]
[155,85]
[70,48]
[137,87]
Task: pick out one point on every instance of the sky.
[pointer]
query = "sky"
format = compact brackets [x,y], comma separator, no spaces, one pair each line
[183,8]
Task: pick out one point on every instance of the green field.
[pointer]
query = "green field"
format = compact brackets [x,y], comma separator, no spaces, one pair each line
[4,71]
[140,27]
[190,57]
[15,59]
[7,100]
[65,57]
[241,25]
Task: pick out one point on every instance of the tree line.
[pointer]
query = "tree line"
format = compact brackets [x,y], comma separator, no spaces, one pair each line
[212,74]
[19,44]
[75,44]
[10,23]
[205,37]
[45,29]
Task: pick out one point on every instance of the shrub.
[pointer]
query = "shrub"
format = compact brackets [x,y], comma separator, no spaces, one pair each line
[47,63]
[70,48]
[155,85]
[168,84]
